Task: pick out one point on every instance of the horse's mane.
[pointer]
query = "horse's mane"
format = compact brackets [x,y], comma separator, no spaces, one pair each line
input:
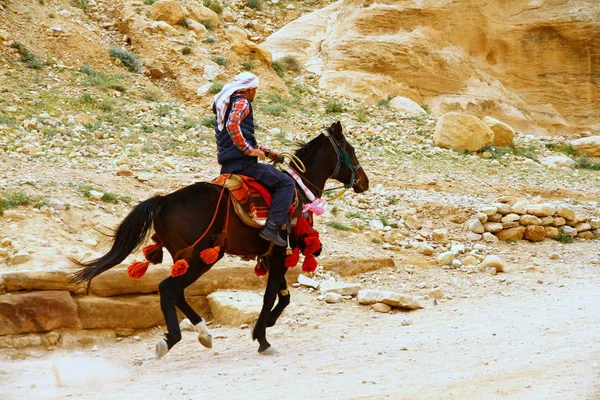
[305,148]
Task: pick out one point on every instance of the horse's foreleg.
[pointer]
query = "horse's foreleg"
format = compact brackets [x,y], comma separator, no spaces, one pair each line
[276,277]
[283,299]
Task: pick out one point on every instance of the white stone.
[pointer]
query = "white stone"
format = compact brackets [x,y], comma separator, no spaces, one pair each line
[493,262]
[342,288]
[407,105]
[96,195]
[333,297]
[306,281]
[520,207]
[541,210]
[425,249]
[475,226]
[440,236]
[369,296]
[470,260]
[489,211]
[473,237]
[565,212]
[557,162]
[445,258]
[21,257]
[376,224]
[234,308]
[490,238]
[570,231]
[381,307]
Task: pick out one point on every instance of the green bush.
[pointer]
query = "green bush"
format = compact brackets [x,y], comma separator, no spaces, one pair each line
[587,163]
[274,109]
[27,57]
[186,51]
[214,5]
[291,63]
[333,106]
[339,226]
[254,4]
[102,80]
[247,66]
[127,58]
[279,68]
[209,121]
[208,25]
[563,237]
[220,60]
[216,87]
[14,198]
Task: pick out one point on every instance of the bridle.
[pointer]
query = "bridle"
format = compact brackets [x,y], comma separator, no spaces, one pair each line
[343,159]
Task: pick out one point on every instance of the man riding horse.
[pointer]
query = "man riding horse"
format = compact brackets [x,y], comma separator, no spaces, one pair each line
[239,151]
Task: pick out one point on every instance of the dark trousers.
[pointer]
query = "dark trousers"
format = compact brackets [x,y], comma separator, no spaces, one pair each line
[279,184]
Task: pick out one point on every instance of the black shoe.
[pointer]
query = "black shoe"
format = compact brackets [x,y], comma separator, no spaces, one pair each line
[271,234]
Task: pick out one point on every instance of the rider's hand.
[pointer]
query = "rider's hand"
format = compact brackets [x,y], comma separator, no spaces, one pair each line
[257,153]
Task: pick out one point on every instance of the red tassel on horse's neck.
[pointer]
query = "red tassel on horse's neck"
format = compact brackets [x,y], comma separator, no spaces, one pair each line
[210,255]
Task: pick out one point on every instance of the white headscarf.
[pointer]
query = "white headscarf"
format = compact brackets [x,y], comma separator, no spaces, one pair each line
[245,80]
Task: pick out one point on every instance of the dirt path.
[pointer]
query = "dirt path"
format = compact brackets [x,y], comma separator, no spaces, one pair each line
[536,340]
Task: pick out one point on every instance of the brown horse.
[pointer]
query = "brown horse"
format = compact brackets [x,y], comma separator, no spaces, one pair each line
[182,217]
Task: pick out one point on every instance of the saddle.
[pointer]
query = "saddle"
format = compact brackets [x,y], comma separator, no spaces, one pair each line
[251,200]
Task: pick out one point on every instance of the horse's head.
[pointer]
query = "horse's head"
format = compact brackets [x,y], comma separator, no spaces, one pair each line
[348,169]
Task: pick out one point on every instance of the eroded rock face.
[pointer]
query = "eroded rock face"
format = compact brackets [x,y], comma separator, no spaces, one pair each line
[527,63]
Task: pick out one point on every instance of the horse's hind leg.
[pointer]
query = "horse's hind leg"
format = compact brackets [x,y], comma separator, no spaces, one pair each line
[172,294]
[204,336]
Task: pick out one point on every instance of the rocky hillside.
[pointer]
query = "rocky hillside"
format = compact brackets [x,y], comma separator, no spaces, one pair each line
[533,64]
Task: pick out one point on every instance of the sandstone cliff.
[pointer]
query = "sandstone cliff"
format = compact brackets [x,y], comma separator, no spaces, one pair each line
[532,63]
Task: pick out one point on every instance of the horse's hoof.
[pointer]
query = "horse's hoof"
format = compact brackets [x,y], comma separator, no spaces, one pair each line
[266,349]
[252,326]
[161,348]
[204,336]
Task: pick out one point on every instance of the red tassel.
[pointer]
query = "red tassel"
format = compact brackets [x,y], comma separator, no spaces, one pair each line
[179,268]
[312,244]
[309,264]
[302,227]
[259,269]
[153,253]
[137,269]
[292,260]
[210,255]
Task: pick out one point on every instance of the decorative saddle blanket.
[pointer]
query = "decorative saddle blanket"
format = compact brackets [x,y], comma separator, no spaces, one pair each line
[251,200]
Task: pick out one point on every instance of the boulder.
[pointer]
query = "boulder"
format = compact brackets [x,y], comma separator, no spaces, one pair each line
[342,288]
[202,14]
[36,312]
[235,308]
[551,232]
[196,26]
[559,221]
[541,210]
[589,235]
[462,132]
[529,220]
[588,146]
[557,162]
[133,312]
[243,47]
[493,227]
[53,279]
[407,106]
[535,233]
[493,262]
[164,27]
[503,133]
[349,266]
[515,233]
[565,212]
[399,300]
[475,226]
[440,236]
[169,11]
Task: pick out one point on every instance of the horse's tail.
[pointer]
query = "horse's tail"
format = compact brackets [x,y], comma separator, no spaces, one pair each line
[129,235]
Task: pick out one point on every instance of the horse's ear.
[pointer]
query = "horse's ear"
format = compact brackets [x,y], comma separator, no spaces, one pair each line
[336,130]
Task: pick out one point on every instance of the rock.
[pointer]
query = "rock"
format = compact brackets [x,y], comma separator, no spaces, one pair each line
[541,210]
[412,222]
[511,234]
[169,11]
[406,105]
[508,225]
[547,221]
[124,172]
[425,249]
[503,208]
[481,217]
[586,235]
[503,133]
[559,221]
[511,218]
[595,223]
[185,326]
[235,308]
[565,212]
[162,26]
[535,233]
[587,146]
[245,48]
[462,132]
[381,307]
[36,312]
[489,211]
[202,14]
[475,226]
[493,262]
[369,296]
[440,236]
[349,266]
[308,282]
[492,227]
[470,260]
[520,207]
[342,288]
[569,231]
[333,298]
[376,224]
[14,215]
[52,338]
[557,162]
[96,195]
[156,73]
[458,248]
[445,258]
[473,237]
[530,220]
[551,232]
[21,258]
[583,226]
[490,238]
[196,27]
[436,293]
[50,279]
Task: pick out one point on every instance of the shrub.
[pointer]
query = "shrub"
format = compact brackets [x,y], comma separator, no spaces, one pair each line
[254,4]
[247,66]
[211,39]
[279,68]
[333,106]
[216,87]
[587,163]
[14,198]
[338,226]
[274,109]
[127,58]
[220,60]
[214,5]
[563,237]
[102,80]
[83,4]
[291,63]
[149,2]
[561,148]
[27,57]
[209,121]
[186,51]
[208,25]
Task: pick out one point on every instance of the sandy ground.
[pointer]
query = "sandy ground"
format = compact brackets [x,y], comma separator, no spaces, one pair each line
[528,333]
